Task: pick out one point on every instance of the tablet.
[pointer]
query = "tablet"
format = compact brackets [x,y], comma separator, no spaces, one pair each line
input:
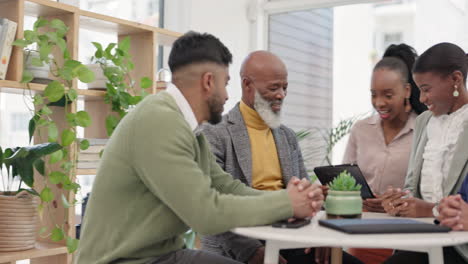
[326,174]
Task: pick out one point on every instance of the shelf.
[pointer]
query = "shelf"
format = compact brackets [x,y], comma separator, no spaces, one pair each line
[108,24]
[42,250]
[20,88]
[45,8]
[86,171]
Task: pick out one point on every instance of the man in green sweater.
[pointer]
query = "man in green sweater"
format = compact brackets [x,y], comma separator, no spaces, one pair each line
[158,177]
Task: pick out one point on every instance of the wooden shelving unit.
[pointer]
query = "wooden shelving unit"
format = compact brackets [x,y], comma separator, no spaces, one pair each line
[144,47]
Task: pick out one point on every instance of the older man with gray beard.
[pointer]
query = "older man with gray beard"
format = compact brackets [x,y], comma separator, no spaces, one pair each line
[251,144]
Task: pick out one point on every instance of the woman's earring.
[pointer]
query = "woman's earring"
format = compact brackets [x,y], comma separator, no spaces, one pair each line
[455,93]
[407,105]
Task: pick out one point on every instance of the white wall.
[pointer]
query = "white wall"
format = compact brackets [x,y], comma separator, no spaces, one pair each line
[440,21]
[352,65]
[226,19]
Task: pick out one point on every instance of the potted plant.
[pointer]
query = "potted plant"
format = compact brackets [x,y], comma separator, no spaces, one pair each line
[344,197]
[122,92]
[18,206]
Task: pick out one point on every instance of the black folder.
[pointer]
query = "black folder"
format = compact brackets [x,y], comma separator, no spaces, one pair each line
[382,226]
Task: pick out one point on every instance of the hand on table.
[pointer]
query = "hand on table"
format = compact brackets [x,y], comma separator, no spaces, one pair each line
[373,204]
[389,198]
[413,207]
[453,212]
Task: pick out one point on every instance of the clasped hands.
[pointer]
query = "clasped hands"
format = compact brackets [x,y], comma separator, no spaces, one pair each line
[453,212]
[399,202]
[306,198]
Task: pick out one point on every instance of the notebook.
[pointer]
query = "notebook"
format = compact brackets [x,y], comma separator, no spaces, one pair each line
[382,226]
[326,174]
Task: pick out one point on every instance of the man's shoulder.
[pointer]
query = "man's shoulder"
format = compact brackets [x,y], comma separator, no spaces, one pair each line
[287,130]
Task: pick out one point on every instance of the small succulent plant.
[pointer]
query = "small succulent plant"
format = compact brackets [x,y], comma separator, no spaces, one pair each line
[344,182]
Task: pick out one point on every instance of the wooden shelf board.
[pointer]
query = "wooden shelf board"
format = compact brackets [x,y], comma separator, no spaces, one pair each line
[86,171]
[42,250]
[20,88]
[38,8]
[91,93]
[166,39]
[107,24]
[17,87]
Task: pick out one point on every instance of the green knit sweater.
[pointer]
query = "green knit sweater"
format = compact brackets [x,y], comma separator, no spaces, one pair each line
[156,180]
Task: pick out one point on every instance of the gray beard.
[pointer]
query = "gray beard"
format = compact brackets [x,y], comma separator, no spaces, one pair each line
[263,108]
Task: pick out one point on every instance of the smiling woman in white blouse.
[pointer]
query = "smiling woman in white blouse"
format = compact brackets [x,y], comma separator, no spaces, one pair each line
[439,157]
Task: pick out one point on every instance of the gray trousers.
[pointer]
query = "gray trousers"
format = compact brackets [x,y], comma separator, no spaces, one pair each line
[189,256]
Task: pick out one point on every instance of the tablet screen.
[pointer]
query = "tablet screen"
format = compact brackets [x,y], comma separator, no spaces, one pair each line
[326,174]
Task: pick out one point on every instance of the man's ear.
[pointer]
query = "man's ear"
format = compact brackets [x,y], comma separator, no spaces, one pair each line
[207,82]
[246,84]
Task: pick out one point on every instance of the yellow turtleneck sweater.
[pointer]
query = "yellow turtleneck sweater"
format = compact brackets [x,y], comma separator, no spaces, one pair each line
[266,169]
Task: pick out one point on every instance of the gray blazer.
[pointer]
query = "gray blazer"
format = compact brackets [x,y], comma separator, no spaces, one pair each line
[458,168]
[231,145]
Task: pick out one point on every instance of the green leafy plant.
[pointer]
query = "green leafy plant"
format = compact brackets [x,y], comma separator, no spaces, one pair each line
[48,39]
[116,64]
[20,162]
[344,182]
[320,151]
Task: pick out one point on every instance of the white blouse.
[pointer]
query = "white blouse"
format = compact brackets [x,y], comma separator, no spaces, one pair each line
[442,133]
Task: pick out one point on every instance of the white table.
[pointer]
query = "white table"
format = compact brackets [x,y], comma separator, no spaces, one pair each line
[314,235]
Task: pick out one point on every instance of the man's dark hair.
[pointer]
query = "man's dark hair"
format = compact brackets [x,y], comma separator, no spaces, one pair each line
[194,47]
[444,59]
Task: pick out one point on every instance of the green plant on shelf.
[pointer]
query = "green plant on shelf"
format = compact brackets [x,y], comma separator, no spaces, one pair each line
[48,39]
[116,63]
[344,182]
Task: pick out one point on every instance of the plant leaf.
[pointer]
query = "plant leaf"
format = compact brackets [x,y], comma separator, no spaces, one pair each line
[47,195]
[85,75]
[111,123]
[72,244]
[57,234]
[83,119]
[53,132]
[124,45]
[56,177]
[44,51]
[146,82]
[32,126]
[68,137]
[38,100]
[40,22]
[54,91]
[35,61]
[84,144]
[72,94]
[27,76]
[22,43]
[65,202]
[56,157]
[59,26]
[40,166]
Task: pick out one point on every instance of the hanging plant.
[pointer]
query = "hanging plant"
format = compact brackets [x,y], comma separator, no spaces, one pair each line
[48,39]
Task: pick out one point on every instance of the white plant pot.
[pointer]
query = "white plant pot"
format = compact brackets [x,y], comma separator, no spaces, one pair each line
[100,80]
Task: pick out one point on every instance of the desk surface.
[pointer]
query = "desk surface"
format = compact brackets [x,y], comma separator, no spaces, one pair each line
[315,235]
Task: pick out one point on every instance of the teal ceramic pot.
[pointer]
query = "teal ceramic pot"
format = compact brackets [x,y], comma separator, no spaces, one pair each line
[344,203]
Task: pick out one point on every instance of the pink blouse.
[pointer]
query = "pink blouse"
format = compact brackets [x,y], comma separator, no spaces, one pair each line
[382,165]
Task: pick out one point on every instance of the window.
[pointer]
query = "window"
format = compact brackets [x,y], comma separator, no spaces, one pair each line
[19,121]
